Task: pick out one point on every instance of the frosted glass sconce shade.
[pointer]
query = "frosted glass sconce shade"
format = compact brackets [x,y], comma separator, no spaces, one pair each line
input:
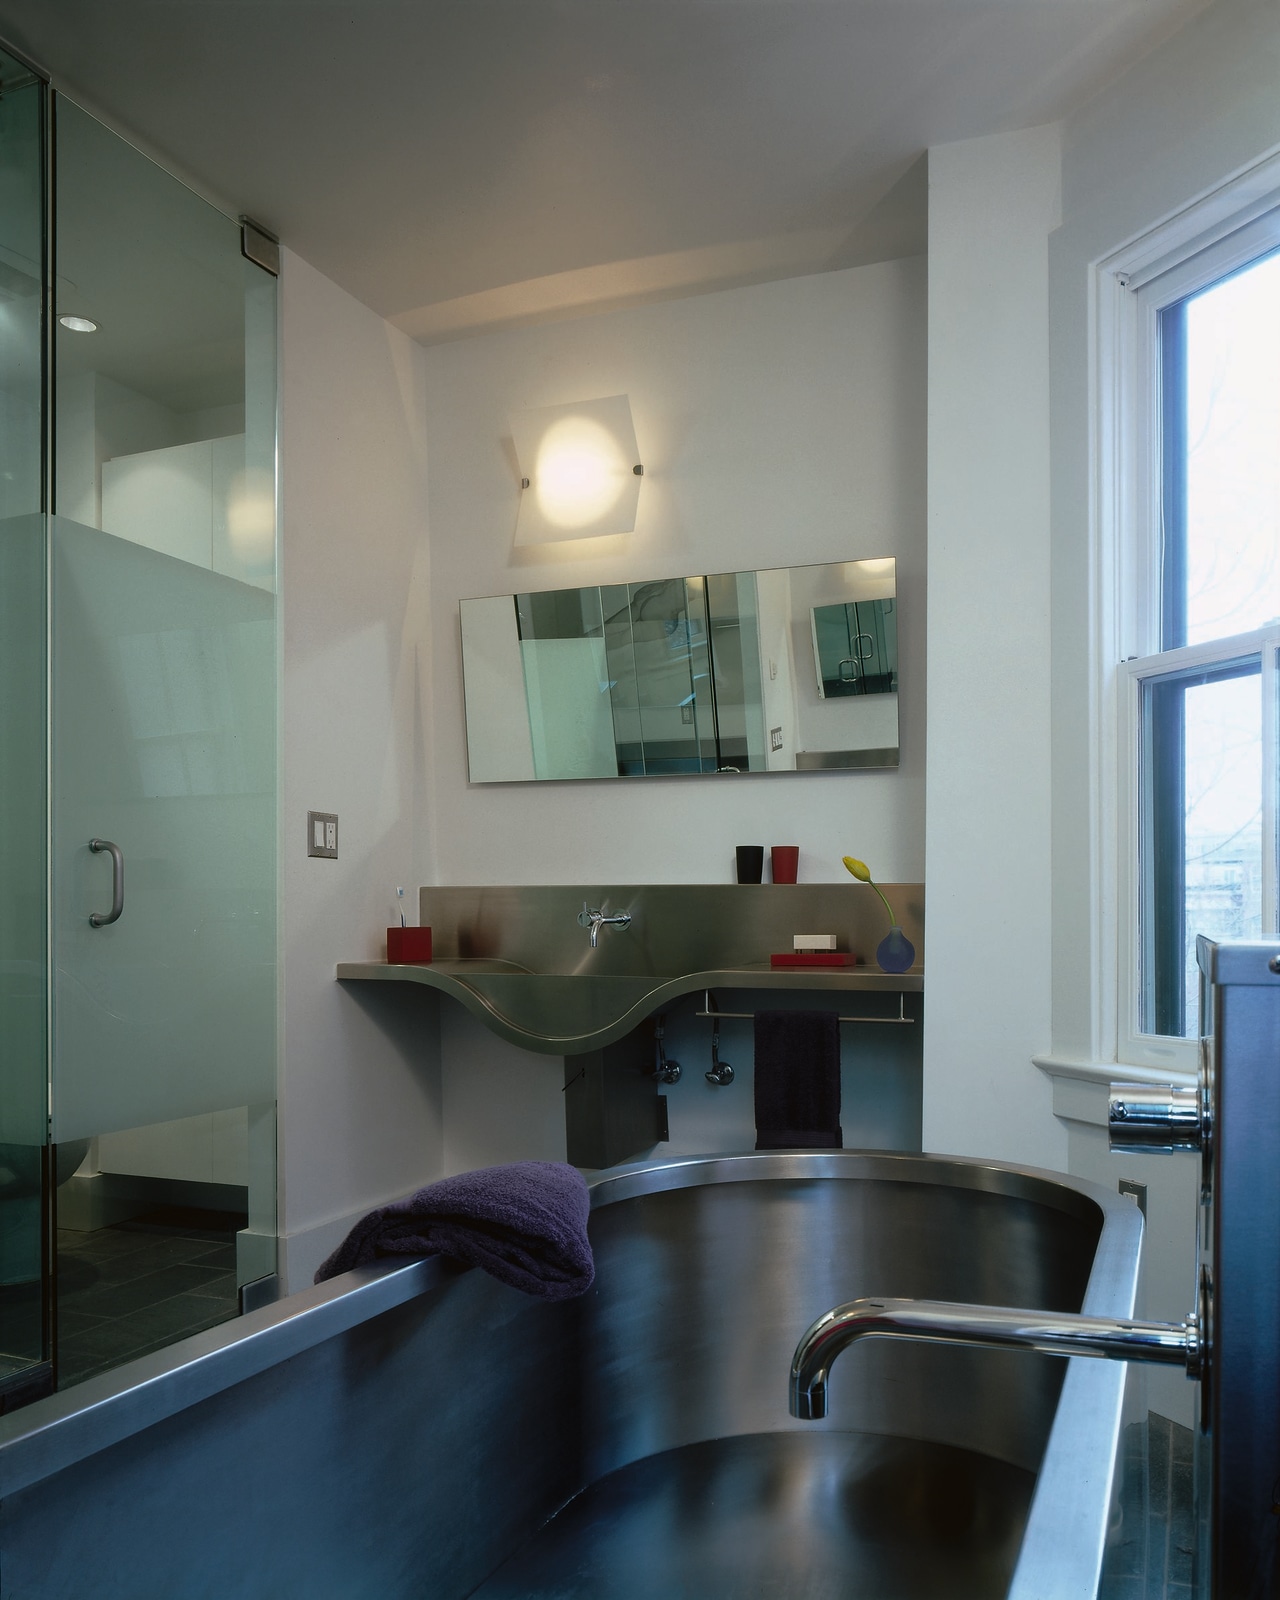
[579,468]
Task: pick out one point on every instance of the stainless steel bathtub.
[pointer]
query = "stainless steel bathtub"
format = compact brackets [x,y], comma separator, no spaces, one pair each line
[421,1431]
[921,1481]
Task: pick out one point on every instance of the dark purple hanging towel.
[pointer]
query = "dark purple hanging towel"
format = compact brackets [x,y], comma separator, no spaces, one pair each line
[798,1080]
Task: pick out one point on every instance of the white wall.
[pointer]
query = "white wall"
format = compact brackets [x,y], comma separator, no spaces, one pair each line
[360,1116]
[992,204]
[778,425]
[501,1103]
[1195,111]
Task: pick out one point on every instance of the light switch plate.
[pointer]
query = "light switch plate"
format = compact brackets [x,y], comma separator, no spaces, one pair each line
[322,834]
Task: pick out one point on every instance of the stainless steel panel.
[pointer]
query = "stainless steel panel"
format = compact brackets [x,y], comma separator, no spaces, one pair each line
[675,928]
[403,1458]
[1240,1405]
[44,1439]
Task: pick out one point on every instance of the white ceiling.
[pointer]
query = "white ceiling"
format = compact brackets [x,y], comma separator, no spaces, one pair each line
[467,164]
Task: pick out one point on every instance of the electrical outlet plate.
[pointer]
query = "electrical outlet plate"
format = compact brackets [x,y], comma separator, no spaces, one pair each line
[322,834]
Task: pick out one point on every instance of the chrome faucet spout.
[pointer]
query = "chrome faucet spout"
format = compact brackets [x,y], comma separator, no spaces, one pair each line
[1175,1344]
[596,919]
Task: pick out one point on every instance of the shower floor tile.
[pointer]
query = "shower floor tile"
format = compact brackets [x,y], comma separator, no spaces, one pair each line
[127,1290]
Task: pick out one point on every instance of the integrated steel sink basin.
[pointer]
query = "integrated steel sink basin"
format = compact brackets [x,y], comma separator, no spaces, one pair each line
[559,1009]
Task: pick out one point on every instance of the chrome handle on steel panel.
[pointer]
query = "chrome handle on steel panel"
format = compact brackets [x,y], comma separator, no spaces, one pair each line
[1142,1118]
[99,919]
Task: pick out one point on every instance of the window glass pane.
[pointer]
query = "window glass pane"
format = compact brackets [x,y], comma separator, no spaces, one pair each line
[1203,836]
[1231,435]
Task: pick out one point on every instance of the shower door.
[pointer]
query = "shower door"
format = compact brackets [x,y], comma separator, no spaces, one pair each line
[24,1163]
[162,661]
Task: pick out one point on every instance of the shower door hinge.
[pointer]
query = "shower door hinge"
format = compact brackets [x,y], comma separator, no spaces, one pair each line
[259,246]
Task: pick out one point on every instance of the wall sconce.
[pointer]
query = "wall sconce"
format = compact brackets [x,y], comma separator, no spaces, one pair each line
[580,470]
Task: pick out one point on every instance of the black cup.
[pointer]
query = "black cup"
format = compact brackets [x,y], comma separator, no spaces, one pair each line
[750,863]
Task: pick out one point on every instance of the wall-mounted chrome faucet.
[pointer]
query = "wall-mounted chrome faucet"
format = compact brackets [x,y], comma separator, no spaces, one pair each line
[596,919]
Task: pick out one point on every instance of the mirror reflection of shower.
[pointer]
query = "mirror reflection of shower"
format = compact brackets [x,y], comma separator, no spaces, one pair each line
[685,675]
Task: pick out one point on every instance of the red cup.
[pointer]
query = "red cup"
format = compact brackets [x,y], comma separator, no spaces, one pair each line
[408,947]
[785,859]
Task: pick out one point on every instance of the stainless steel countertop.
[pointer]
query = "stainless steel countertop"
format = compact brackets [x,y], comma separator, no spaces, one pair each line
[604,1006]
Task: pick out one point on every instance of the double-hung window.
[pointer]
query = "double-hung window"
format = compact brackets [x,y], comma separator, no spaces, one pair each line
[1199,719]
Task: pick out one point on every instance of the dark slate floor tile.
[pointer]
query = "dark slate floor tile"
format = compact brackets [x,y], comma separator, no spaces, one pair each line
[99,1243]
[219,1255]
[21,1322]
[136,1286]
[146,1289]
[220,1288]
[70,1322]
[173,1319]
[83,1274]
[162,1252]
[109,1344]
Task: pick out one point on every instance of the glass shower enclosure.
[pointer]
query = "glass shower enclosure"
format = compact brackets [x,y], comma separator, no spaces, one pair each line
[138,648]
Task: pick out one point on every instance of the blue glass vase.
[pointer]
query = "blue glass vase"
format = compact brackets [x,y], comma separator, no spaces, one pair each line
[895,952]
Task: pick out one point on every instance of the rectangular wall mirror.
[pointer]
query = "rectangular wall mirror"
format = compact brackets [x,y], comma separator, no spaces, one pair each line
[794,669]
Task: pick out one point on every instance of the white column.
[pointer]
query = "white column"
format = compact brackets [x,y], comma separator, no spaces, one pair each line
[992,205]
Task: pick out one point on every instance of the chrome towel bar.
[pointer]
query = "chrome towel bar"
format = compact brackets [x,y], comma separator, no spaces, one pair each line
[709,1010]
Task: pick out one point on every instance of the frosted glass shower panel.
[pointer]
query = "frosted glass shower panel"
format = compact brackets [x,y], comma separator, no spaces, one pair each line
[163,649]
[164,744]
[24,1186]
[23,1086]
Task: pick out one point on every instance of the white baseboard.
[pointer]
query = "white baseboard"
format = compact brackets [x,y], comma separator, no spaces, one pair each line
[301,1252]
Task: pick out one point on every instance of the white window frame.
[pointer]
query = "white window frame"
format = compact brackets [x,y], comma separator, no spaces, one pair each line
[1220,231]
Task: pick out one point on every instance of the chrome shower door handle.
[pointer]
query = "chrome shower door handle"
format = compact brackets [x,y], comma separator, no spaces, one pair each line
[98,919]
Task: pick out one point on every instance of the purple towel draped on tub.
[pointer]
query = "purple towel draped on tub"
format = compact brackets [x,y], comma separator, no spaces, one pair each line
[525,1223]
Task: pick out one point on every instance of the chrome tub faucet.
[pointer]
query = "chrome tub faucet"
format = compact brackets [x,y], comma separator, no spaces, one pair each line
[1000,1327]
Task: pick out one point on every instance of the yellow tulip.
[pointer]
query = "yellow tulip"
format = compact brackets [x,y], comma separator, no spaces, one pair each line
[862,872]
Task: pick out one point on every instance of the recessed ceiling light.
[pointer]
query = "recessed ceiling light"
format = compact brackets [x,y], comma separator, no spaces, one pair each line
[79,324]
